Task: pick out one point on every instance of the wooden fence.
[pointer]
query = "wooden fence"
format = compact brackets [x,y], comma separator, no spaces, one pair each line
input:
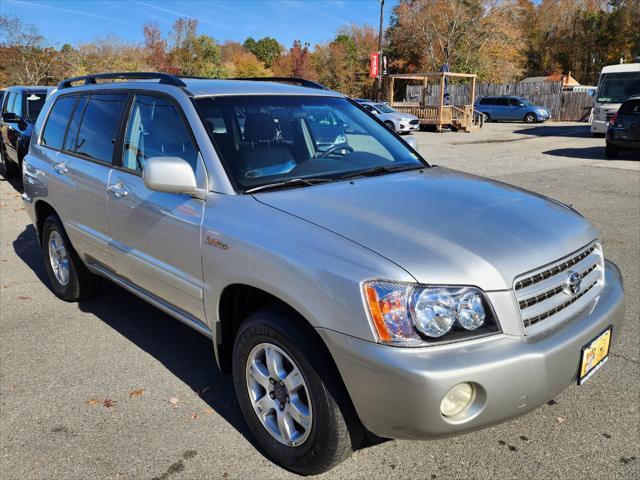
[566,106]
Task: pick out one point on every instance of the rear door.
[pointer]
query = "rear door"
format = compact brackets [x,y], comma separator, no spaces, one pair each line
[83,167]
[156,235]
[501,109]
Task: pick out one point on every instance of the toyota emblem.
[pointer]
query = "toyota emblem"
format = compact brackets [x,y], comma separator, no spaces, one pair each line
[573,283]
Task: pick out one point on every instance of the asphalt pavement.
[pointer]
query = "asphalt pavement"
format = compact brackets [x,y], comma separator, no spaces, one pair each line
[113,388]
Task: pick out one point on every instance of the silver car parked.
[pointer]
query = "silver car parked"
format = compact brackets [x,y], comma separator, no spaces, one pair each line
[347,285]
[397,121]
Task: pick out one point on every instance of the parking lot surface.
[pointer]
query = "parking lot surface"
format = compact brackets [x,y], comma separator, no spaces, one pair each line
[113,388]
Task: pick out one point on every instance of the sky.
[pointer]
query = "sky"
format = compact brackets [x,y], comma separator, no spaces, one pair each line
[313,21]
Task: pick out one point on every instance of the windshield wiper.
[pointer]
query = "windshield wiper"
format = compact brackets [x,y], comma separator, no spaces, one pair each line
[294,182]
[379,170]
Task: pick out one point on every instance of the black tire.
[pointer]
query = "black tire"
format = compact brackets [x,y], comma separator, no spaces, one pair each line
[81,282]
[335,429]
[611,151]
[530,118]
[391,125]
[487,117]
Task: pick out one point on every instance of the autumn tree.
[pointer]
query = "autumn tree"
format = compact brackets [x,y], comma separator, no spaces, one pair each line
[24,59]
[267,49]
[296,63]
[156,46]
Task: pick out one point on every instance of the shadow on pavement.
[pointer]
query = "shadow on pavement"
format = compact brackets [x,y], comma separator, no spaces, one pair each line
[15,182]
[557,130]
[593,153]
[184,352]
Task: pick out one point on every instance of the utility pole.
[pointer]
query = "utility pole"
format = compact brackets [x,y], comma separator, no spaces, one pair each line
[379,89]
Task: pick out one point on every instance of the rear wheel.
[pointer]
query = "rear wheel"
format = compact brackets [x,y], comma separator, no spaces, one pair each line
[69,277]
[530,118]
[611,151]
[291,396]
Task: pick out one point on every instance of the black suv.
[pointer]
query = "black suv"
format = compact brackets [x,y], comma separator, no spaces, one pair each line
[20,109]
[623,132]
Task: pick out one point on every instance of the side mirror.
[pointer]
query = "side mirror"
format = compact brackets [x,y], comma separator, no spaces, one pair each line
[411,141]
[10,117]
[521,104]
[170,175]
[375,112]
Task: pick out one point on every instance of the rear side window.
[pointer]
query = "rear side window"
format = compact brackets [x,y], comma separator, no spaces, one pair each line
[502,102]
[630,107]
[488,101]
[514,102]
[99,127]
[156,129]
[13,104]
[56,126]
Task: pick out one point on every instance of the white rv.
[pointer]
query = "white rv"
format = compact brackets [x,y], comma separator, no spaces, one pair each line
[617,83]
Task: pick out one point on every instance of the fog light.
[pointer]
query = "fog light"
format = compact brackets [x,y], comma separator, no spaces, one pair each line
[457,399]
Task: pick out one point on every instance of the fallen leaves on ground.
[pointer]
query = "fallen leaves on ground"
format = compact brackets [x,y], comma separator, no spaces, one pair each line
[92,402]
[23,297]
[136,393]
[174,401]
[561,419]
[194,416]
[208,411]
[108,403]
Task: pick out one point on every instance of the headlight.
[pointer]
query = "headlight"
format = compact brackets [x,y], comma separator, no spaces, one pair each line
[414,315]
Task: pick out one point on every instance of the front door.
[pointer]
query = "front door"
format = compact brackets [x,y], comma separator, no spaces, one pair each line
[155,235]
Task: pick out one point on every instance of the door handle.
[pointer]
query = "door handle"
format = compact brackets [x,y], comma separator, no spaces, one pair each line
[118,190]
[60,168]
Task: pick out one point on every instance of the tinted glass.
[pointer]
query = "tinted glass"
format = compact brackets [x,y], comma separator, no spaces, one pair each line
[156,129]
[502,102]
[487,101]
[10,106]
[56,126]
[34,103]
[72,133]
[99,127]
[630,107]
[274,138]
[514,102]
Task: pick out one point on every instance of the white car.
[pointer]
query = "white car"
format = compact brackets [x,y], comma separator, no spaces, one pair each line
[398,121]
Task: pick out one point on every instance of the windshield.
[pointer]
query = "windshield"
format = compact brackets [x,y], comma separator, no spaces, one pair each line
[273,138]
[617,87]
[526,102]
[35,102]
[384,108]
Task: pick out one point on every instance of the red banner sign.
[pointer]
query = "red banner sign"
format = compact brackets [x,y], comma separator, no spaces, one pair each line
[374,67]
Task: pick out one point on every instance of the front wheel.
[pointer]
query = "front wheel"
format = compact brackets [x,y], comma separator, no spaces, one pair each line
[530,118]
[69,277]
[290,395]
[391,125]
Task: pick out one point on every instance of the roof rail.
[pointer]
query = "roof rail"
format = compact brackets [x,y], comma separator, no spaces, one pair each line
[164,78]
[300,81]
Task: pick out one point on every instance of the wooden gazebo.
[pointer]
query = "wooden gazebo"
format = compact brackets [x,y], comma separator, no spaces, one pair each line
[459,116]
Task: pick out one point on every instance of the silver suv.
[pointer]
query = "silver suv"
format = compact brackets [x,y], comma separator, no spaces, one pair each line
[349,286]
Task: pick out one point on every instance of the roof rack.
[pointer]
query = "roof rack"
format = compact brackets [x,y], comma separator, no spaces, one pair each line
[164,78]
[300,81]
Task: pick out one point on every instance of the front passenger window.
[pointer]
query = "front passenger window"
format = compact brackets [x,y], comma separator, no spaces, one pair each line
[156,129]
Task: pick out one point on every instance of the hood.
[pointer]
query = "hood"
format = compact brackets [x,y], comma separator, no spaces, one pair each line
[443,226]
[400,115]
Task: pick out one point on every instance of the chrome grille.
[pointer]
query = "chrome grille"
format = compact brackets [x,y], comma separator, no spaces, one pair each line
[545,292]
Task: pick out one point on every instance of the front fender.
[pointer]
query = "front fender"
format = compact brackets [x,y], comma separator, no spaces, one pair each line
[316,272]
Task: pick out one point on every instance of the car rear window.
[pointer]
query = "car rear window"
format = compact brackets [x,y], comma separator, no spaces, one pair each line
[99,126]
[630,107]
[34,103]
[56,126]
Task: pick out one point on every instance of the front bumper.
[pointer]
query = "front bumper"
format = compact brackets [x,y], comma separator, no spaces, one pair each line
[397,391]
[407,127]
[599,126]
